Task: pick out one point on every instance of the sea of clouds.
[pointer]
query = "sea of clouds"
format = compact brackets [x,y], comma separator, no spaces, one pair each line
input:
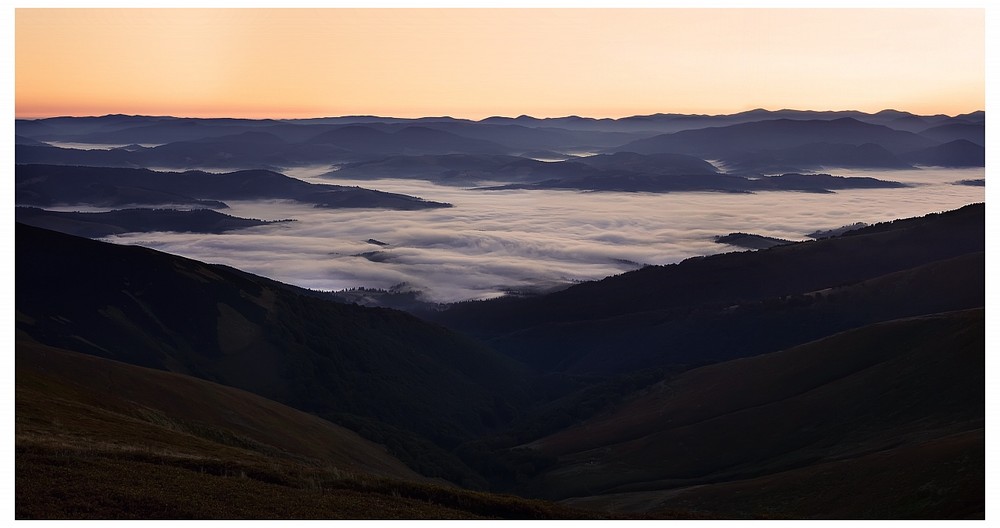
[493,242]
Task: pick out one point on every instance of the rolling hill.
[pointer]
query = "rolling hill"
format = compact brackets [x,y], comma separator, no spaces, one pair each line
[729,279]
[47,185]
[723,142]
[807,422]
[416,386]
[957,153]
[96,225]
[100,439]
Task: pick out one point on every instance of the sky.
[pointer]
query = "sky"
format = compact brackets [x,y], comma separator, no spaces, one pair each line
[474,63]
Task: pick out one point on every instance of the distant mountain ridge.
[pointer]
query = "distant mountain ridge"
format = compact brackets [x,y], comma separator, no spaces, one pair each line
[47,185]
[95,225]
[276,144]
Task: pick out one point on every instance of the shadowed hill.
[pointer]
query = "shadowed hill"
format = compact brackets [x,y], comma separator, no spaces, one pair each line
[975,133]
[163,410]
[735,278]
[814,156]
[377,369]
[99,439]
[407,140]
[652,164]
[750,241]
[958,153]
[95,225]
[709,332]
[46,185]
[895,389]
[622,171]
[722,142]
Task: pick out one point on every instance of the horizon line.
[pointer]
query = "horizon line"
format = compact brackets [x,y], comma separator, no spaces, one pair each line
[495,116]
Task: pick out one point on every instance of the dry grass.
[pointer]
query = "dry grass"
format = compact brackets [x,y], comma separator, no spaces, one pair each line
[90,448]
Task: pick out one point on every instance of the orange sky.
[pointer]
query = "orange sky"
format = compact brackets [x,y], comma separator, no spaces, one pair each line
[479,62]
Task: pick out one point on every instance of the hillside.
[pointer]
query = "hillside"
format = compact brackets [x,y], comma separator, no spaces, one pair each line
[95,225]
[99,439]
[806,422]
[48,185]
[730,279]
[957,153]
[722,142]
[416,386]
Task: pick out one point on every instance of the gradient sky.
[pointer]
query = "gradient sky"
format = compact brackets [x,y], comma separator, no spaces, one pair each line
[475,63]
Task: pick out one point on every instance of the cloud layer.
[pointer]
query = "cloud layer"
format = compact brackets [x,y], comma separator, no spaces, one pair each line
[494,241]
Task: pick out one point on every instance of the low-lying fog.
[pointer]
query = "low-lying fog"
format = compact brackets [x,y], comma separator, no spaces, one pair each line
[494,241]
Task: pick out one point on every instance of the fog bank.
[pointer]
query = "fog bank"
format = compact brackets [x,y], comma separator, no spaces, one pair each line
[495,241]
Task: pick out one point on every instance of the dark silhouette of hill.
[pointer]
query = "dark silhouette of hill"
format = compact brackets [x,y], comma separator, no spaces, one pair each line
[750,241]
[22,140]
[709,332]
[94,225]
[520,138]
[671,314]
[723,142]
[261,148]
[268,147]
[46,185]
[118,129]
[976,133]
[958,153]
[761,140]
[414,386]
[819,183]
[622,171]
[100,439]
[66,128]
[979,116]
[523,132]
[813,156]
[979,182]
[407,140]
[827,233]
[624,181]
[809,421]
[652,164]
[443,168]
[47,154]
[669,123]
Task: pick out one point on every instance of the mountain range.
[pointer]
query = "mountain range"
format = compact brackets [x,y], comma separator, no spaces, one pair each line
[748,143]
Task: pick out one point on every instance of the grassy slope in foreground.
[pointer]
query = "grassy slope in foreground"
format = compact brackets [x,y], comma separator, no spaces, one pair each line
[99,439]
[808,422]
